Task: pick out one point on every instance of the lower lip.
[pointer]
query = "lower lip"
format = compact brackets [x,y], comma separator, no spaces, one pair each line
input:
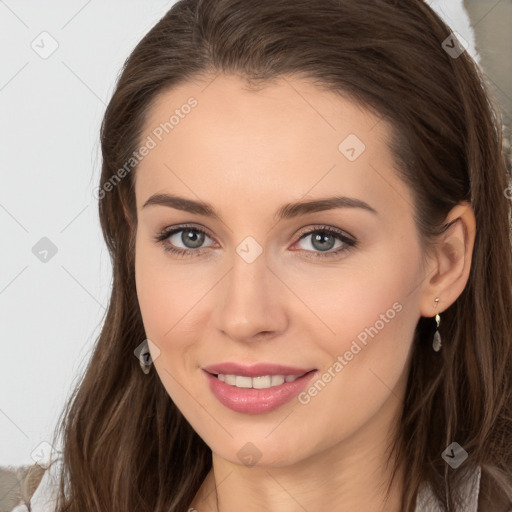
[256,401]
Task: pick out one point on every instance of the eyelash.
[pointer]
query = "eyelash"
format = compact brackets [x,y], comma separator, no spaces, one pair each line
[350,243]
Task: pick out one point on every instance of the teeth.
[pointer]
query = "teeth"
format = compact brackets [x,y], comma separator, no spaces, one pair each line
[243,382]
[263,382]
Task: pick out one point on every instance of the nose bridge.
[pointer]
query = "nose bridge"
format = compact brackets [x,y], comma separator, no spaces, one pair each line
[250,303]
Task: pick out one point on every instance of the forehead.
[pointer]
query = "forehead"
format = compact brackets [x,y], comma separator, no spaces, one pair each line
[288,137]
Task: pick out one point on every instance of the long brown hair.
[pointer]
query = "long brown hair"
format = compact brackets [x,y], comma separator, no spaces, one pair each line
[126,446]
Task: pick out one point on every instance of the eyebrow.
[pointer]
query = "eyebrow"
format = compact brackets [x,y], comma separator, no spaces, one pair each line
[287,211]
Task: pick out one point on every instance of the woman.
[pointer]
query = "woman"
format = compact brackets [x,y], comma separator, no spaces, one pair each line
[305,206]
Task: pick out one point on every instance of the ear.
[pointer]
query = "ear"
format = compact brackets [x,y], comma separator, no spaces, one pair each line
[450,263]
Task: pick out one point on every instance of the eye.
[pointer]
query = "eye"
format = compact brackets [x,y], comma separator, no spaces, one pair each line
[191,237]
[323,240]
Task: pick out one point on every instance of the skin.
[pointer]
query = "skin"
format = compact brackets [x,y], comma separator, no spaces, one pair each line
[248,152]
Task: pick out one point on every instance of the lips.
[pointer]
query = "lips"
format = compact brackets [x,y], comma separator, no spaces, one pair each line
[260,398]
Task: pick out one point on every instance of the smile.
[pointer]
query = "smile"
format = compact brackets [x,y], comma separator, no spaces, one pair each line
[259,393]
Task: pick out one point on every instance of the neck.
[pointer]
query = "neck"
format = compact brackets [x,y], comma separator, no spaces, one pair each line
[351,475]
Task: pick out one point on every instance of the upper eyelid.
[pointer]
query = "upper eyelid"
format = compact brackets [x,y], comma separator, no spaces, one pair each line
[331,229]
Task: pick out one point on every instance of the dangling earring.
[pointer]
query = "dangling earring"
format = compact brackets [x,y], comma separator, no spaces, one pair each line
[436,343]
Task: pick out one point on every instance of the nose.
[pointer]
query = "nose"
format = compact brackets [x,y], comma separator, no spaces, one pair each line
[251,302]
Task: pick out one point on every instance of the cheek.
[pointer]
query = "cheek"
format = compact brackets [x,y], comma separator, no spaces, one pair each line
[160,301]
[167,295]
[369,316]
[151,292]
[368,300]
[169,298]
[373,314]
[165,292]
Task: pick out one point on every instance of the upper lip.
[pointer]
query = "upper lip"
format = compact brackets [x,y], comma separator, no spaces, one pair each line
[255,370]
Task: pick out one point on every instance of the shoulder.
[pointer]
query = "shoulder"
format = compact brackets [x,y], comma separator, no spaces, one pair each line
[427,502]
[45,496]
[31,488]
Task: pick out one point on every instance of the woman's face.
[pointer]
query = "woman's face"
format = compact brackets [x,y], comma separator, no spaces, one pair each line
[264,284]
